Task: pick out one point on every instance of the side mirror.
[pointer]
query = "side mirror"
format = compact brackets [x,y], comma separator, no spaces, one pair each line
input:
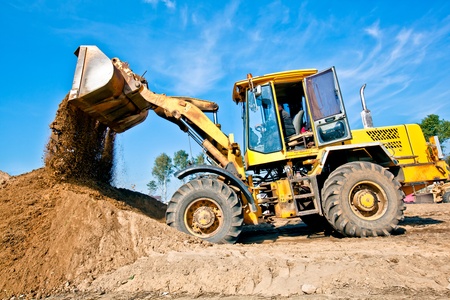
[257,91]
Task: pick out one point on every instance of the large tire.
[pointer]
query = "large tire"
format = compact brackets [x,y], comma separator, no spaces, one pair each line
[206,208]
[363,199]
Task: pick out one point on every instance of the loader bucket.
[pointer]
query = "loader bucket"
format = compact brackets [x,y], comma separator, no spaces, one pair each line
[101,90]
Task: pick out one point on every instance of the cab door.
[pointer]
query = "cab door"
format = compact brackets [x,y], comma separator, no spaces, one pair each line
[324,99]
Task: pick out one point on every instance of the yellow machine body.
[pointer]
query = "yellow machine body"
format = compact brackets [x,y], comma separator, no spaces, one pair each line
[315,167]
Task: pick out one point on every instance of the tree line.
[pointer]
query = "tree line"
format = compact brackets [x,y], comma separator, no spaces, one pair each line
[165,166]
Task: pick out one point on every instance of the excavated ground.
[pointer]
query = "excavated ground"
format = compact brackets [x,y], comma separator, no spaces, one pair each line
[66,233]
[92,241]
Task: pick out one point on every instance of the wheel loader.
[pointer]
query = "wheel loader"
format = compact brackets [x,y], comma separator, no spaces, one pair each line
[350,181]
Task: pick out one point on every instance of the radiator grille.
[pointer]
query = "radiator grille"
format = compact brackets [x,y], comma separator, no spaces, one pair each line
[390,137]
[393,145]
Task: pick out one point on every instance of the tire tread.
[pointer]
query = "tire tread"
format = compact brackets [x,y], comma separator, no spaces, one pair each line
[335,213]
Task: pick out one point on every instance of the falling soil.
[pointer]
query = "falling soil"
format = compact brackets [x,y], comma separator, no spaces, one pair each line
[66,233]
[80,147]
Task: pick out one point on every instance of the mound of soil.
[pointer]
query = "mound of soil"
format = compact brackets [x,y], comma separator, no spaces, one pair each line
[60,234]
[4,177]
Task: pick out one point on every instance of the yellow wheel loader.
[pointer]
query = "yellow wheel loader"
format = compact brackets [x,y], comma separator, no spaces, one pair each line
[352,181]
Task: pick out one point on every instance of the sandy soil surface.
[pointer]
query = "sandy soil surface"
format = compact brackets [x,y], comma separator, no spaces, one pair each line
[92,241]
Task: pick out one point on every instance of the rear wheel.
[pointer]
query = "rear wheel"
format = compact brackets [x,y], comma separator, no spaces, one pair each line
[206,208]
[363,199]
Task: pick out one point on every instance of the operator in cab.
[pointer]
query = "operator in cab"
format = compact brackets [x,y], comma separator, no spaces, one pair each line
[287,125]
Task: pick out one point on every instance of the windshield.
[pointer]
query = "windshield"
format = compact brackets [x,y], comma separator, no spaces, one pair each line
[263,133]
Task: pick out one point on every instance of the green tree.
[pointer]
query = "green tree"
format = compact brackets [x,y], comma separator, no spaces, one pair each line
[180,160]
[162,171]
[152,187]
[164,167]
[200,159]
[432,126]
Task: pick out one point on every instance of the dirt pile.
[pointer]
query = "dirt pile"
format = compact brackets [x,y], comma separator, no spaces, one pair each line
[4,177]
[56,235]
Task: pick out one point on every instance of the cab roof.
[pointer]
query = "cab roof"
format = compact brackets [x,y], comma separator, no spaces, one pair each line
[286,76]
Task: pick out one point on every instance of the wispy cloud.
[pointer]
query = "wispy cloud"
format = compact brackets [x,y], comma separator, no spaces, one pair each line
[393,61]
[194,66]
[168,3]
[374,30]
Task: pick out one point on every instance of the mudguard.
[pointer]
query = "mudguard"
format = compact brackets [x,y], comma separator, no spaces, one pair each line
[234,180]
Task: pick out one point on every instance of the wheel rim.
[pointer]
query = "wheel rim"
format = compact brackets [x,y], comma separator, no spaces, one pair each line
[203,217]
[368,200]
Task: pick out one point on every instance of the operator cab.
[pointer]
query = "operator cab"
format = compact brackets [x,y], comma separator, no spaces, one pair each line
[291,111]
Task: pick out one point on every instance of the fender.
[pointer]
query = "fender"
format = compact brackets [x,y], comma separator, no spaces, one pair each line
[375,150]
[234,180]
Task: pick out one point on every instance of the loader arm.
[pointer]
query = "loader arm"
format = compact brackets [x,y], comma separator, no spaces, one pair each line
[110,92]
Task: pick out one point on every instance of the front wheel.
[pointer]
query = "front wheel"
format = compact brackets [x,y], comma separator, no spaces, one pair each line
[363,199]
[206,208]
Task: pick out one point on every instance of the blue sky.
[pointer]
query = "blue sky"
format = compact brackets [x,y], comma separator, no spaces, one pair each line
[400,49]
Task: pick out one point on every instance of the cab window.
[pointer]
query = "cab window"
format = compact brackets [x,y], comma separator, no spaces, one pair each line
[263,135]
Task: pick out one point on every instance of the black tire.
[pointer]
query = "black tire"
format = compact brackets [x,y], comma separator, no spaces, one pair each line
[446,197]
[363,199]
[206,208]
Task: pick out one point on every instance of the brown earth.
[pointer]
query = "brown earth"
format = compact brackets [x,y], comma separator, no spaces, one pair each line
[92,241]
[53,234]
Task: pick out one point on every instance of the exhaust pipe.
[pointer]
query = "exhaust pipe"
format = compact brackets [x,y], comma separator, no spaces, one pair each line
[366,116]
